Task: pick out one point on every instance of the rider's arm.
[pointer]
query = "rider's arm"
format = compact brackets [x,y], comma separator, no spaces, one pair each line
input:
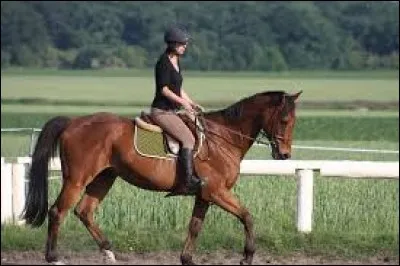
[172,96]
[185,96]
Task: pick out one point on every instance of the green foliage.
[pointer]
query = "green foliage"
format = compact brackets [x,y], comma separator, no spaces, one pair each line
[5,59]
[239,35]
[133,56]
[25,56]
[269,59]
[89,57]
[50,58]
[22,28]
[101,56]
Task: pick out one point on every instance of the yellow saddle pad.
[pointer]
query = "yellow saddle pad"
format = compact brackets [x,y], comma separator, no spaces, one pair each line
[151,143]
[150,140]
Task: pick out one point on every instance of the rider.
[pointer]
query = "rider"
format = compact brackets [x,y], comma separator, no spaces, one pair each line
[169,97]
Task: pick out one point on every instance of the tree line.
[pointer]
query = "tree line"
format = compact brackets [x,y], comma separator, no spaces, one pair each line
[238,35]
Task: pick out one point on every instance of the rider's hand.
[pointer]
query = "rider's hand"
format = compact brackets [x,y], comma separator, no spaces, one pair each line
[188,107]
[198,108]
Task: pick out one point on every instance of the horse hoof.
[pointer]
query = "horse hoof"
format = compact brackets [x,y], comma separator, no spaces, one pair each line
[245,262]
[109,256]
[188,263]
[187,260]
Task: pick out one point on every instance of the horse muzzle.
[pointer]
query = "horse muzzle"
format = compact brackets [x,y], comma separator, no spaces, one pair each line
[280,156]
[284,156]
[277,154]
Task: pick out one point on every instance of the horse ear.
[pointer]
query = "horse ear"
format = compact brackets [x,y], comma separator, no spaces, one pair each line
[296,95]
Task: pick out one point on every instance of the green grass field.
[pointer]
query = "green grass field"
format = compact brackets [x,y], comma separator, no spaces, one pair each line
[312,128]
[141,89]
[131,111]
[351,217]
[207,88]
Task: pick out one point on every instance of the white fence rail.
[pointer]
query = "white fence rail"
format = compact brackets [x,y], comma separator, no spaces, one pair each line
[13,180]
[301,147]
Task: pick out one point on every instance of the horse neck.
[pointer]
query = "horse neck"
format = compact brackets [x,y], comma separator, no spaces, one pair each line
[240,132]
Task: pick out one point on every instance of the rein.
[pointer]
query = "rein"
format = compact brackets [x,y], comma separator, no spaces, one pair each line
[236,132]
[271,139]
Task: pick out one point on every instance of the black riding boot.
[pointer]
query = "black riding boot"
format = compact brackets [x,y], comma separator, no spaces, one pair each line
[191,182]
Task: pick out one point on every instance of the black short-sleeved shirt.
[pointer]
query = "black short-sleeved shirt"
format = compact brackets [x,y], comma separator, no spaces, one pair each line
[166,75]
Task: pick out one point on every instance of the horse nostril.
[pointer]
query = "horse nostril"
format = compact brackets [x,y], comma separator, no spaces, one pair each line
[285,156]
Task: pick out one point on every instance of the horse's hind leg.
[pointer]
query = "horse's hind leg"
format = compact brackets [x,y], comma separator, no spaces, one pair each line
[94,194]
[69,195]
[227,201]
[196,222]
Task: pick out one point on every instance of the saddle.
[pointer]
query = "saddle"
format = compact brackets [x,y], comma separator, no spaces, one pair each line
[149,137]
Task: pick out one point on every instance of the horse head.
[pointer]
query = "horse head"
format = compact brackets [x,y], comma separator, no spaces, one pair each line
[271,113]
[277,123]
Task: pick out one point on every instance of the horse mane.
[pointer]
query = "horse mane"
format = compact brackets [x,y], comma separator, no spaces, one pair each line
[234,111]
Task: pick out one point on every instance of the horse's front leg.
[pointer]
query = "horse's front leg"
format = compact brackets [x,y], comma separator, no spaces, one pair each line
[199,212]
[227,201]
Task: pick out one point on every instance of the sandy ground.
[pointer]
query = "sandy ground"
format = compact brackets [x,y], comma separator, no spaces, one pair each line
[172,258]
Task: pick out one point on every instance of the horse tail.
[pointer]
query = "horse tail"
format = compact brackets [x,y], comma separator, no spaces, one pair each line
[36,206]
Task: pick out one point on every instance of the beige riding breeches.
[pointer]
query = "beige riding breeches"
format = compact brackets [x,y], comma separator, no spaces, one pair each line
[173,125]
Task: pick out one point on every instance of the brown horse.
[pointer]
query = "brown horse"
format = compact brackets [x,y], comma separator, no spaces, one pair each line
[97,148]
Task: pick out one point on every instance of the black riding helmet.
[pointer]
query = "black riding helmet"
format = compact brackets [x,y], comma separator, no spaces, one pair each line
[176,35]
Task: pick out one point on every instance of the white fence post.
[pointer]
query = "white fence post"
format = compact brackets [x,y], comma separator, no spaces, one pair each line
[18,188]
[6,192]
[12,192]
[305,197]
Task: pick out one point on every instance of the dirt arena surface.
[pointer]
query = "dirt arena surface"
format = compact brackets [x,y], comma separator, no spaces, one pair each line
[172,258]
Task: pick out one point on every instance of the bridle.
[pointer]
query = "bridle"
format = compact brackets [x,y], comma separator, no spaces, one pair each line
[275,136]
[272,137]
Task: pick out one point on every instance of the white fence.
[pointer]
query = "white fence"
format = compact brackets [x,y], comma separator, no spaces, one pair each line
[13,180]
